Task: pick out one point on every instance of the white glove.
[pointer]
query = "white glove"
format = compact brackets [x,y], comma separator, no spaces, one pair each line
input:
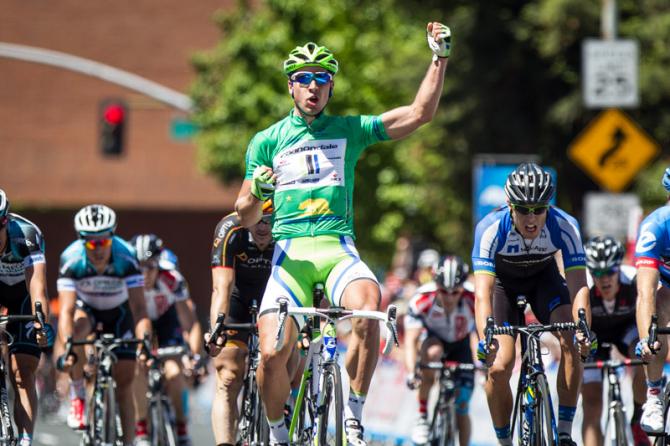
[441,46]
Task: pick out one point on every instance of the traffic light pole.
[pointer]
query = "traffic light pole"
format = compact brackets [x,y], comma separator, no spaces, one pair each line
[92,68]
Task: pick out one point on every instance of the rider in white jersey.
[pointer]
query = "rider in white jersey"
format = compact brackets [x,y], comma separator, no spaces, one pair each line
[438,326]
[174,322]
[100,286]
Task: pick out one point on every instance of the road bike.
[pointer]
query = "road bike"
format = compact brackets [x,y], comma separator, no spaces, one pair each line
[533,412]
[443,429]
[253,425]
[318,414]
[616,428]
[7,434]
[103,423]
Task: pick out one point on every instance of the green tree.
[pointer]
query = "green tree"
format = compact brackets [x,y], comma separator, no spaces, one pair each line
[513,86]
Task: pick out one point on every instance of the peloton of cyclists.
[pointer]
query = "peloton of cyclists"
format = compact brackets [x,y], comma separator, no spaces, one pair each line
[514,254]
[438,326]
[241,261]
[306,162]
[171,311]
[613,296]
[22,283]
[100,286]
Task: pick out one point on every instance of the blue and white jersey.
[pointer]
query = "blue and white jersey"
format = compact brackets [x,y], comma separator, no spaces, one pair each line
[100,291]
[653,243]
[500,250]
[24,248]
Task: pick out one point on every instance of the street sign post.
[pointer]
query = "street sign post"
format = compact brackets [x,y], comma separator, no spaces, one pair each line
[610,73]
[609,214]
[612,150]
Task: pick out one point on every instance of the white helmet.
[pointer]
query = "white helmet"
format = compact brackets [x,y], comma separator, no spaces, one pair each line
[95,219]
[4,203]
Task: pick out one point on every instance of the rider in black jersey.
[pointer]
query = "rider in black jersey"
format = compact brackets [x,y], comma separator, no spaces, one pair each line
[613,296]
[241,262]
[22,283]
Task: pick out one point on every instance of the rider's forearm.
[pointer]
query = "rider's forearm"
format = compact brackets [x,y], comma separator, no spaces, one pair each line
[427,98]
[249,208]
[580,301]
[195,338]
[36,277]
[410,349]
[220,300]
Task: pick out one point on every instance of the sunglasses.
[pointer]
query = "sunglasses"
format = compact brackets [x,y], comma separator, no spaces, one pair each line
[603,273]
[527,210]
[267,219]
[91,244]
[305,78]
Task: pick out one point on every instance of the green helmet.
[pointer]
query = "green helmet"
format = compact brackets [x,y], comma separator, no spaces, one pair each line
[310,55]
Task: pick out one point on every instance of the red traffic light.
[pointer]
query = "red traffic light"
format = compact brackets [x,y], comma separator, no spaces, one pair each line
[114,114]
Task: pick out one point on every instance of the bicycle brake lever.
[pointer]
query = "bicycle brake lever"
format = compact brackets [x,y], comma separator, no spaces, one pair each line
[282,314]
[653,335]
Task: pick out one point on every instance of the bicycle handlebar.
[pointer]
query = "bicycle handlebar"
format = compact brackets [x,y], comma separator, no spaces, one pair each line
[614,363]
[452,366]
[335,315]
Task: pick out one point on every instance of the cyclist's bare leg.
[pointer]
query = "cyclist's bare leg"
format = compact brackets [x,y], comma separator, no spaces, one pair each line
[654,367]
[363,350]
[140,386]
[22,373]
[175,385]
[230,366]
[464,429]
[431,350]
[124,371]
[497,387]
[569,375]
[82,328]
[274,379]
[592,400]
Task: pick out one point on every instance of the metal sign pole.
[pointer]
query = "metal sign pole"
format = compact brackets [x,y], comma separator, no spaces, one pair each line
[609,17]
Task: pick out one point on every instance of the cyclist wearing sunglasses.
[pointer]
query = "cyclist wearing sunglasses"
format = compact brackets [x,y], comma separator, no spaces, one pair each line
[173,318]
[514,254]
[613,297]
[438,326]
[307,160]
[100,285]
[241,261]
[22,283]
[652,259]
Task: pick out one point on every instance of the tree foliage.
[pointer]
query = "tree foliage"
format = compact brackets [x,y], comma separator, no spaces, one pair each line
[513,86]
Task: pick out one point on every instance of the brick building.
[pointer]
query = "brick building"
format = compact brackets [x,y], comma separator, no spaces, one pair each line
[51,163]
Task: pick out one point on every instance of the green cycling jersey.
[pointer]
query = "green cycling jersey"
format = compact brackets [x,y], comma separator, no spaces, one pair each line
[315,165]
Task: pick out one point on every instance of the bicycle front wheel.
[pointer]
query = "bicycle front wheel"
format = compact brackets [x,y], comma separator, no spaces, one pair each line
[544,426]
[110,430]
[616,432]
[331,409]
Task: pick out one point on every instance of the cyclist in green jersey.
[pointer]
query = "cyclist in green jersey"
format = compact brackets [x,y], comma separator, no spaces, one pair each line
[306,163]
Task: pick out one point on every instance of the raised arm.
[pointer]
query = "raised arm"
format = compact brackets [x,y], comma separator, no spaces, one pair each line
[402,121]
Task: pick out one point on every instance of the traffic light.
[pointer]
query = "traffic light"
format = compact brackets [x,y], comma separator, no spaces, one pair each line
[113,117]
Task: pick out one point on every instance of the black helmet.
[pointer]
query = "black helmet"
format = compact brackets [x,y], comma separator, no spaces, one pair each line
[450,272]
[529,184]
[603,253]
[147,246]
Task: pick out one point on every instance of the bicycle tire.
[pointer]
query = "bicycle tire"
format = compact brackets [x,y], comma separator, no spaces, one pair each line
[168,426]
[261,429]
[109,420]
[544,427]
[6,428]
[156,424]
[451,428]
[331,389]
